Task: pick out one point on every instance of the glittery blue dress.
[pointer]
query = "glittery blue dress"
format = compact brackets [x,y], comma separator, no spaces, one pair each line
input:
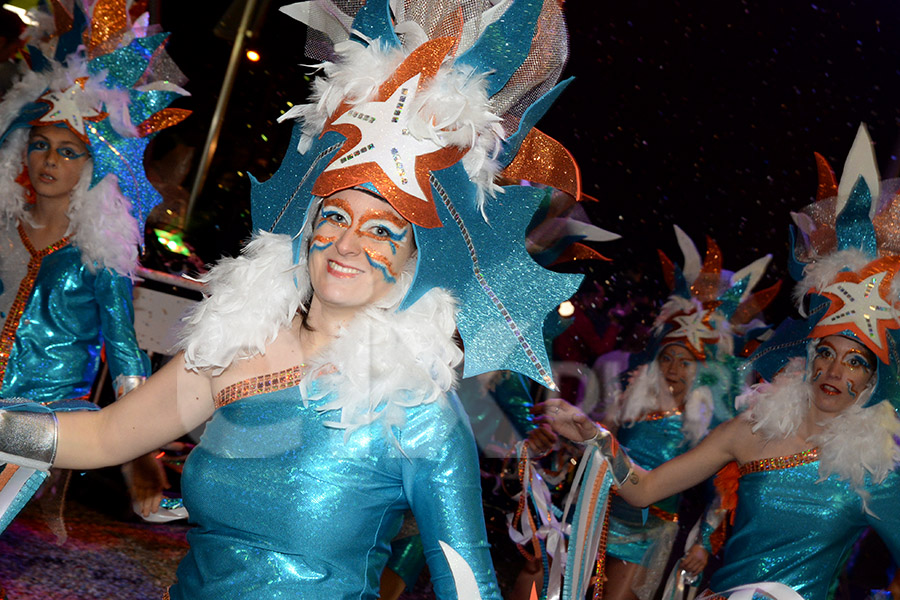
[655,439]
[56,316]
[288,507]
[792,529]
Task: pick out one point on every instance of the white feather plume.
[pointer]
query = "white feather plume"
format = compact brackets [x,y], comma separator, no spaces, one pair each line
[387,360]
[644,394]
[698,413]
[101,225]
[822,272]
[777,409]
[220,329]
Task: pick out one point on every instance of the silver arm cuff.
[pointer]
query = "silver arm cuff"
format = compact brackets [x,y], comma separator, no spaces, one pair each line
[28,439]
[619,464]
[125,383]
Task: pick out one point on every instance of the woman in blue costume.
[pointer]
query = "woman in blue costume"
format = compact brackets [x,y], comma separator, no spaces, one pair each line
[816,454]
[323,357]
[73,199]
[684,386]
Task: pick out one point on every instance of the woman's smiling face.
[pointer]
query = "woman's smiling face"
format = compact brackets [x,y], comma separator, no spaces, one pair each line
[359,246]
[842,368]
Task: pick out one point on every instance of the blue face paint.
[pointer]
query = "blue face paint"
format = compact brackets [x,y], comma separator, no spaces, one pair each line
[65,152]
[384,272]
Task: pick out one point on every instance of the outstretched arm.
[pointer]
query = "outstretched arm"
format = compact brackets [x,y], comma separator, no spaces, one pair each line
[169,404]
[643,487]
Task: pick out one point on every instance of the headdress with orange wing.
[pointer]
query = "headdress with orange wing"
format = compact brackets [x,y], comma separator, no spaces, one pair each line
[846,255]
[709,308]
[106,76]
[432,103]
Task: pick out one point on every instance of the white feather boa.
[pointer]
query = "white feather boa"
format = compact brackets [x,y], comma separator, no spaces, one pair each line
[857,442]
[223,327]
[383,361]
[646,392]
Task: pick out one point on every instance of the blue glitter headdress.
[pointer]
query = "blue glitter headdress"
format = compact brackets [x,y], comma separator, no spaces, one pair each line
[846,254]
[419,104]
[109,80]
[709,309]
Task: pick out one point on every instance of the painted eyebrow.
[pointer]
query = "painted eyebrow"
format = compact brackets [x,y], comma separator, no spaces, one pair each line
[860,354]
[384,215]
[339,203]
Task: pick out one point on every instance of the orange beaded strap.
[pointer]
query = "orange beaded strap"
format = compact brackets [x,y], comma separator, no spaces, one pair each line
[660,414]
[780,462]
[8,333]
[263,384]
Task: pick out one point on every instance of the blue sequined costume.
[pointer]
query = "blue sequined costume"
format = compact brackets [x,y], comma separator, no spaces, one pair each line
[322,523]
[51,349]
[792,529]
[655,439]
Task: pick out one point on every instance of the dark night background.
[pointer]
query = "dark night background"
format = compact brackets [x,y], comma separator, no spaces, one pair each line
[704,113]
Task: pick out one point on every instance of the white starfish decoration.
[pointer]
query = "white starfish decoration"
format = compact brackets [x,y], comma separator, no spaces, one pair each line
[70,106]
[694,328]
[863,306]
[386,140]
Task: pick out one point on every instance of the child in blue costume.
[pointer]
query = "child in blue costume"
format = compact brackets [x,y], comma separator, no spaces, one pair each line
[816,454]
[73,199]
[323,358]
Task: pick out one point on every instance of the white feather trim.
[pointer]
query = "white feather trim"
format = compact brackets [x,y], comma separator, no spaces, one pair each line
[387,360]
[220,329]
[101,225]
[643,394]
[777,409]
[821,273]
[12,195]
[698,414]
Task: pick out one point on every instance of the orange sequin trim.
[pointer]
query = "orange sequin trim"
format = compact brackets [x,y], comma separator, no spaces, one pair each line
[166,595]
[8,334]
[780,462]
[660,414]
[263,384]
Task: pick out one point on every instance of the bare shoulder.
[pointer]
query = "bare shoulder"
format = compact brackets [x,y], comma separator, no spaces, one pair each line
[731,435]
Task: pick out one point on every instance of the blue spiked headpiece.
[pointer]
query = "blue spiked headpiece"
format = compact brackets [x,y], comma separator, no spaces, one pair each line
[109,80]
[709,309]
[846,254]
[431,106]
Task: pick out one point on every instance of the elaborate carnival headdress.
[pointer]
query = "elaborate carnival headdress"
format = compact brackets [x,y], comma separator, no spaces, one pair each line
[431,103]
[845,256]
[105,75]
[709,308]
